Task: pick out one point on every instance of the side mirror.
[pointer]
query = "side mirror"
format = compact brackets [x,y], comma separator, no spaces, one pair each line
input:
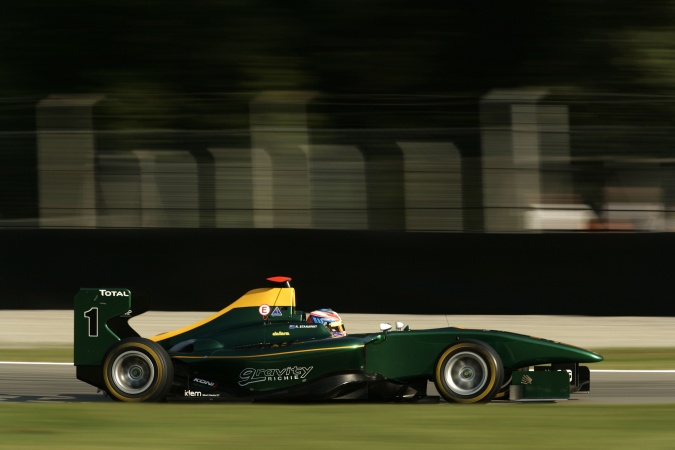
[385,327]
[399,326]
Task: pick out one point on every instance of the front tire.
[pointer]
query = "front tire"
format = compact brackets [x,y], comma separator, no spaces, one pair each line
[138,370]
[504,392]
[469,372]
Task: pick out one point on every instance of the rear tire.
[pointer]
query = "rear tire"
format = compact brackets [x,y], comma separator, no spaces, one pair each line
[137,370]
[469,372]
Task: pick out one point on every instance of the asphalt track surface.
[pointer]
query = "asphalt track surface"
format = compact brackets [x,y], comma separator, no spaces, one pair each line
[56,382]
[42,382]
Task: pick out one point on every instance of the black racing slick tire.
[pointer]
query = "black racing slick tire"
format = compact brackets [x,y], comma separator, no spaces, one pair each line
[469,372]
[504,392]
[137,370]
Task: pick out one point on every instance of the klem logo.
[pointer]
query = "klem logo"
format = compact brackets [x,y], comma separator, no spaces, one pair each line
[113,293]
[189,393]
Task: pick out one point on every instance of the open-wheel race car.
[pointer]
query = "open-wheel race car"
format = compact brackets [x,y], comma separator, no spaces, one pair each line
[261,347]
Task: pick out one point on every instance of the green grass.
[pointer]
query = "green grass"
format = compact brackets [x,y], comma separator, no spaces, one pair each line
[637,358]
[47,354]
[615,358]
[336,426]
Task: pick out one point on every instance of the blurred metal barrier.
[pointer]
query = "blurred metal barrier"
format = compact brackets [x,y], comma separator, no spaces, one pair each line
[514,171]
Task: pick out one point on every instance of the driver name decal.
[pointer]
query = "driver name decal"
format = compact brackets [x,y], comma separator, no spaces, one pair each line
[248,376]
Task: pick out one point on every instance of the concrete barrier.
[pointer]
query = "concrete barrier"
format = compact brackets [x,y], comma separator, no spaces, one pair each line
[36,329]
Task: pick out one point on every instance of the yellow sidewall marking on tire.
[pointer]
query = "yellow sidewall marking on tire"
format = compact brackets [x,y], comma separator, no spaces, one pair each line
[153,355]
[476,349]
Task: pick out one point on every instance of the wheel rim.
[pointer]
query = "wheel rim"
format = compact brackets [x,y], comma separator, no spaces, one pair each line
[466,373]
[133,372]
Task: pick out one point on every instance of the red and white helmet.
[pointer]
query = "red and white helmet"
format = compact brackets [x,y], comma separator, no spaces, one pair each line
[330,319]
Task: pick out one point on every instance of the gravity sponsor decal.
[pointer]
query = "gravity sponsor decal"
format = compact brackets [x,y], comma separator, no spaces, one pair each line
[293,327]
[281,333]
[113,293]
[249,376]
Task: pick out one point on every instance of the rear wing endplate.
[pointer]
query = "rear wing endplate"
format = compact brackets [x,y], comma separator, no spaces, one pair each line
[100,320]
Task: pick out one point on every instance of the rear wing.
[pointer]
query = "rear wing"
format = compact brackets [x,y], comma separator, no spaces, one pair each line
[100,320]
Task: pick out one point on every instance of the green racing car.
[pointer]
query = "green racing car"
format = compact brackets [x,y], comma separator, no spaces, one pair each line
[262,348]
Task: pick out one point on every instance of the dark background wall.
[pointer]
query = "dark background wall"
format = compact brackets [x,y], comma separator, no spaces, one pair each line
[350,271]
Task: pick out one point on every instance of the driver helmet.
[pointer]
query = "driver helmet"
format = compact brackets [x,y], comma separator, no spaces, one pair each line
[330,319]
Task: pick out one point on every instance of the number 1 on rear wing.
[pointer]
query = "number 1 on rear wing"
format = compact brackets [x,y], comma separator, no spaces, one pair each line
[100,320]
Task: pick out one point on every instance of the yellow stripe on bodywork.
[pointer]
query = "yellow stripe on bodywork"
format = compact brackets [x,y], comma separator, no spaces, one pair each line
[265,355]
[269,296]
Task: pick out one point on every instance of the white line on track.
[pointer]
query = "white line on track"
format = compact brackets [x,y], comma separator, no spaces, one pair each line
[634,371]
[28,363]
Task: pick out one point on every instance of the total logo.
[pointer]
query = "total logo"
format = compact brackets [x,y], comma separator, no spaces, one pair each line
[113,293]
